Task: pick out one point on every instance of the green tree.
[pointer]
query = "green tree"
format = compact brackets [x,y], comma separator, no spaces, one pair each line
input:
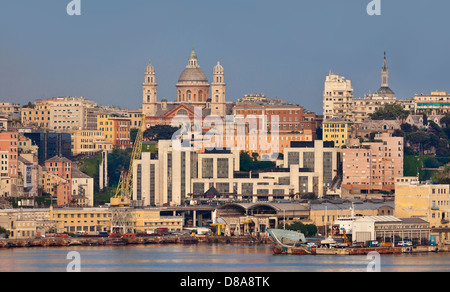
[250,163]
[390,112]
[160,132]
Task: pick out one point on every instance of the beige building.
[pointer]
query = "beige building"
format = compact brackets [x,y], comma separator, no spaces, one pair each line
[135,118]
[324,214]
[435,103]
[337,98]
[338,101]
[10,110]
[89,142]
[69,113]
[82,187]
[175,176]
[5,123]
[428,201]
[372,166]
[25,223]
[317,163]
[39,116]
[61,113]
[95,220]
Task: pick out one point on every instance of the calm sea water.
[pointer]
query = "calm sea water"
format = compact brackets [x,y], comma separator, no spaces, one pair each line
[205,258]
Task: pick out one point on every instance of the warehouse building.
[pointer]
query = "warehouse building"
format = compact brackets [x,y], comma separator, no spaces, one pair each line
[391,229]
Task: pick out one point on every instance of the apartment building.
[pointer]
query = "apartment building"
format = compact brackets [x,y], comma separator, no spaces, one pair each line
[9,143]
[115,129]
[372,166]
[5,124]
[338,101]
[62,168]
[69,113]
[435,103]
[11,110]
[135,118]
[37,116]
[89,142]
[428,201]
[82,187]
[337,130]
[337,98]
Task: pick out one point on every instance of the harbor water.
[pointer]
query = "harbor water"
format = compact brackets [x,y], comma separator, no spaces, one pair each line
[205,258]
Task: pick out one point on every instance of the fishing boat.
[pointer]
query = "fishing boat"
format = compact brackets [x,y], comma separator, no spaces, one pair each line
[286,238]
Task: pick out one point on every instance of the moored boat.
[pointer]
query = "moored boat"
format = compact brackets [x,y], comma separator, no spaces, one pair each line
[286,238]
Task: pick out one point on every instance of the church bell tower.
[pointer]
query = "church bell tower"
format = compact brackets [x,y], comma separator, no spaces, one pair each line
[218,106]
[149,88]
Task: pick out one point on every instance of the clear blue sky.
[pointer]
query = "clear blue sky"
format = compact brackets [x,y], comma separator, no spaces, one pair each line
[280,48]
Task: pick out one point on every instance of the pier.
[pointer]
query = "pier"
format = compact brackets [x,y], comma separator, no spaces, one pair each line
[277,249]
[110,241]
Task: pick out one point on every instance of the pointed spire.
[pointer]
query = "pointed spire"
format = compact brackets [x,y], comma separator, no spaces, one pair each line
[193,60]
[385,68]
[193,55]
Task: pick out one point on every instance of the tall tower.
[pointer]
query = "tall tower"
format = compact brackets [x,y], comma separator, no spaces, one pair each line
[149,88]
[385,92]
[218,107]
[384,73]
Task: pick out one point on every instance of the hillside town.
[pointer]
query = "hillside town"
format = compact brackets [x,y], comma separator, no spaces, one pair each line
[202,163]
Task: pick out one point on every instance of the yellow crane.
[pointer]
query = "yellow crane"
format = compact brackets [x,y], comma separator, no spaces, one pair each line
[124,191]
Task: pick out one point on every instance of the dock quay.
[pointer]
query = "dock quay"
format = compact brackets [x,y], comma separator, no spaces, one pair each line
[277,249]
[122,241]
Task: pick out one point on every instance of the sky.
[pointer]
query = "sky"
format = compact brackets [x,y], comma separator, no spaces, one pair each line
[281,48]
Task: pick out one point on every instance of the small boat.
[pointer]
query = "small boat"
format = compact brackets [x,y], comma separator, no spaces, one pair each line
[286,238]
[328,242]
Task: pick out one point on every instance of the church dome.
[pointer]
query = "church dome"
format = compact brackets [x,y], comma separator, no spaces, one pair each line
[193,75]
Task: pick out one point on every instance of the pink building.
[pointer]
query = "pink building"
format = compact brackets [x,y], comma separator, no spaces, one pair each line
[61,167]
[371,167]
[9,142]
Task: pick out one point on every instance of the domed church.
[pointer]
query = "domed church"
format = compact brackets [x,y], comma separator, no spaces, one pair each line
[193,91]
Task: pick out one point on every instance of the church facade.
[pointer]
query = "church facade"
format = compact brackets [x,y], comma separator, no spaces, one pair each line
[193,91]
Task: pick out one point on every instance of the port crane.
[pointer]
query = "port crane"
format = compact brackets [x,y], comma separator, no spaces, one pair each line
[122,218]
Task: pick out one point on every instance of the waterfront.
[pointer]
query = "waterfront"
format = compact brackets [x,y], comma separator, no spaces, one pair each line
[206,258]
